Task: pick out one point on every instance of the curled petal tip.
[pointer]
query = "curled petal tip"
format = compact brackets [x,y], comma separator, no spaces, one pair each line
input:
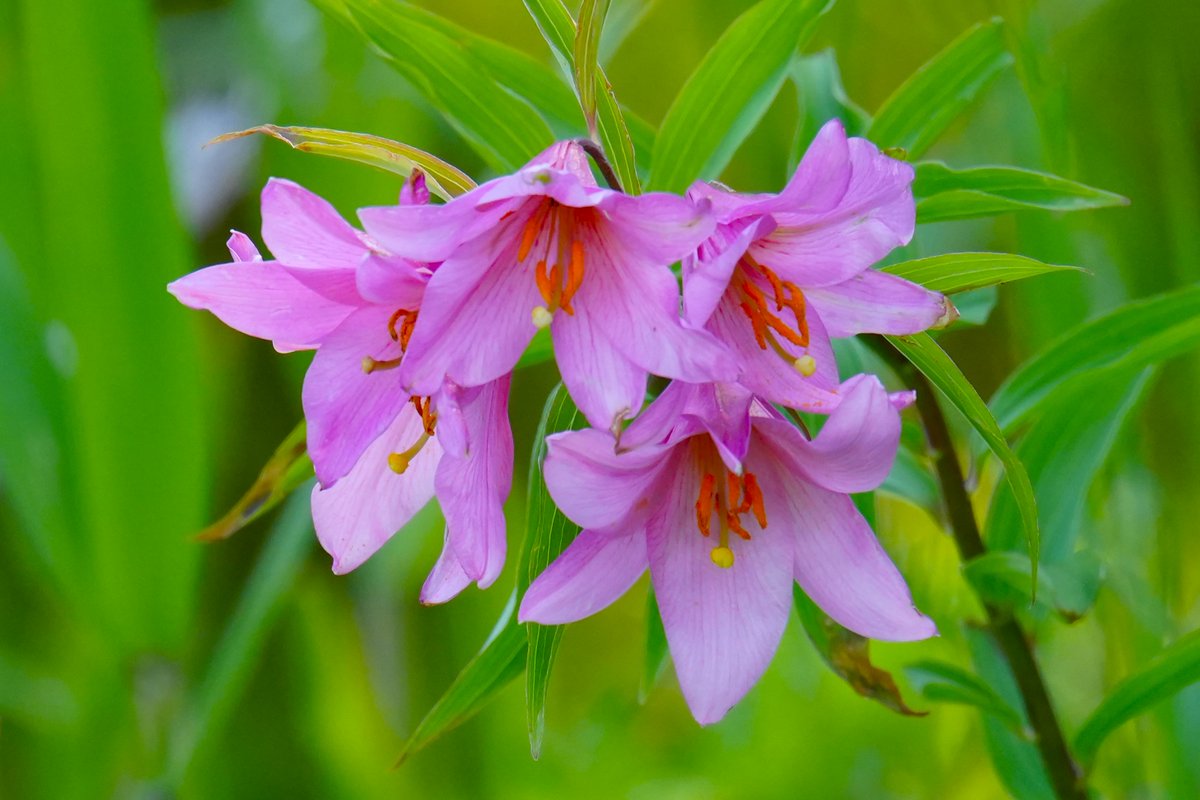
[949,315]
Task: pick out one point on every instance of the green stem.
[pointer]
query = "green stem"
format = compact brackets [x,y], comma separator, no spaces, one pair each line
[1064,776]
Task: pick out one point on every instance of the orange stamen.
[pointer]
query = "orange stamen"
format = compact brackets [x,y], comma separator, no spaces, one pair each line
[574,276]
[529,236]
[754,497]
[543,282]
[705,502]
[735,525]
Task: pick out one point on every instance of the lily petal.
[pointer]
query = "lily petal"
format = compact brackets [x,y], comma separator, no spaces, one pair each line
[591,574]
[260,298]
[838,561]
[595,486]
[723,625]
[303,230]
[854,450]
[472,489]
[446,580]
[877,302]
[357,516]
[345,408]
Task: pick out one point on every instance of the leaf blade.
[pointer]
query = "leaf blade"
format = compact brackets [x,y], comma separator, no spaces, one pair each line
[945,193]
[962,272]
[922,107]
[587,46]
[744,69]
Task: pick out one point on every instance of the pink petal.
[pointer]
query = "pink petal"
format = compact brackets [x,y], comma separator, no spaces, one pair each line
[592,573]
[431,233]
[475,318]
[357,516]
[820,181]
[876,215]
[661,228]
[605,385]
[706,275]
[242,248]
[876,302]
[260,298]
[347,409]
[302,229]
[767,373]
[854,450]
[637,298]
[723,625]
[415,191]
[838,561]
[595,486]
[394,282]
[446,579]
[472,489]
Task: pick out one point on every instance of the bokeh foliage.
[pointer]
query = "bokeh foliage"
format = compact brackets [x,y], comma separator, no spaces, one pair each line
[134,659]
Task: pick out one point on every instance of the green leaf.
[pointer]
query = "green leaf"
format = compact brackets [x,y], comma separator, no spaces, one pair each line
[229,669]
[503,128]
[498,664]
[849,656]
[821,97]
[1175,668]
[730,91]
[539,351]
[942,372]
[923,106]
[946,683]
[443,179]
[1064,449]
[1069,587]
[945,193]
[657,653]
[559,30]
[1136,334]
[587,44]
[288,467]
[547,534]
[962,272]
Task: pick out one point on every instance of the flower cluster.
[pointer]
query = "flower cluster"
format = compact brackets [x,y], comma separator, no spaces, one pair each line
[419,319]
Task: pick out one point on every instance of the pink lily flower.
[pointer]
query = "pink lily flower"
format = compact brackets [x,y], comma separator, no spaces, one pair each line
[784,273]
[373,445]
[727,503]
[547,247]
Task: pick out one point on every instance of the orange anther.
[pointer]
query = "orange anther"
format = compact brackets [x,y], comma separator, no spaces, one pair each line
[705,502]
[545,287]
[529,236]
[754,496]
[574,276]
[735,525]
[733,491]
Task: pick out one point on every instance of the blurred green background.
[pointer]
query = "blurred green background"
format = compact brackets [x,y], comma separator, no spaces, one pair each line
[137,662]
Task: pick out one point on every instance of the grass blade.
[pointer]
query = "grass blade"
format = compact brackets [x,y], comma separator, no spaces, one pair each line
[945,193]
[587,45]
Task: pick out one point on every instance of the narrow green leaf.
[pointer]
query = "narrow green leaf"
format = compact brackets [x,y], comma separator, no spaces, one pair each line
[849,656]
[942,372]
[947,683]
[962,272]
[657,653]
[1064,449]
[498,664]
[923,106]
[623,19]
[944,193]
[288,467]
[1068,587]
[616,135]
[587,45]
[231,663]
[502,127]
[730,90]
[821,97]
[443,179]
[547,534]
[1136,334]
[1175,668]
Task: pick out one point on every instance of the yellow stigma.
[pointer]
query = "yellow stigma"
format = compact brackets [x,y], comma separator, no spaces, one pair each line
[398,462]
[806,365]
[722,557]
[542,317]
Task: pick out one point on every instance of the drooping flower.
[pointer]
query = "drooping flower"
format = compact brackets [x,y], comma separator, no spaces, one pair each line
[784,273]
[373,446]
[548,247]
[727,503]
